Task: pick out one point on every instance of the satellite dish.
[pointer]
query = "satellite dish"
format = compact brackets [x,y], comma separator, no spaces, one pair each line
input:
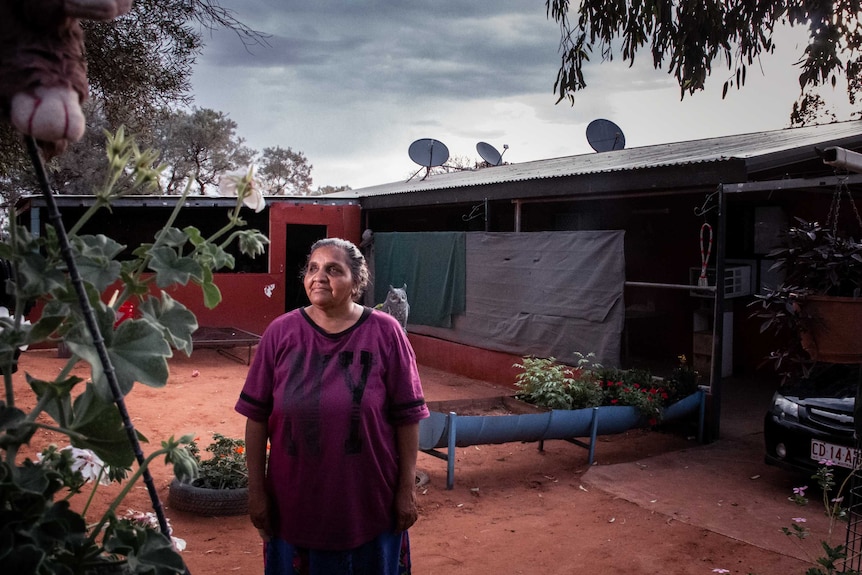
[604,136]
[428,153]
[490,154]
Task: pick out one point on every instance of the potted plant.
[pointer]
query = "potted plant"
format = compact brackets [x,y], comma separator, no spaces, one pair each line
[817,307]
[73,279]
[221,487]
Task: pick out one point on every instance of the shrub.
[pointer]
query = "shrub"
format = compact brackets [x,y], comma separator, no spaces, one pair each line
[226,468]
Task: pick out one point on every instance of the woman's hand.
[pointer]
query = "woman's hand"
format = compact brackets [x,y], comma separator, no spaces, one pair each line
[407,443]
[255,456]
[406,509]
[258,511]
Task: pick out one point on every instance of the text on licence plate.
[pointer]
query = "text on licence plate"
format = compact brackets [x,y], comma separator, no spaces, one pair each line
[841,455]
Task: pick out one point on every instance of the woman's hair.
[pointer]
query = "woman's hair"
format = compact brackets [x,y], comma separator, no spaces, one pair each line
[358,265]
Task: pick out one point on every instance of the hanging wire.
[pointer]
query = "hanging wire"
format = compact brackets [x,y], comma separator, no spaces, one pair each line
[708,205]
[477,211]
[841,189]
[93,326]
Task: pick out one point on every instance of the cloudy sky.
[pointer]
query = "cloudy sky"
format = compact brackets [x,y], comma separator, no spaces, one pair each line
[352,83]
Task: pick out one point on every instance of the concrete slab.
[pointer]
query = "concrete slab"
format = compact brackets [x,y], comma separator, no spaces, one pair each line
[724,487]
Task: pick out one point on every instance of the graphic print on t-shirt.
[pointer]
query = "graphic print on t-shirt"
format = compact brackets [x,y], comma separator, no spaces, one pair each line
[304,400]
[345,360]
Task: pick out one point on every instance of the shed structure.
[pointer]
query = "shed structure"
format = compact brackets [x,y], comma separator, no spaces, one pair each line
[662,203]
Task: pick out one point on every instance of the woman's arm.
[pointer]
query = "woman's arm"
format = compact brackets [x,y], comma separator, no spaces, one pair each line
[407,441]
[256,436]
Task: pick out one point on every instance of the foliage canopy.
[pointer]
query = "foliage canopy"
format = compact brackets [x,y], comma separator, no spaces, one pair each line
[689,36]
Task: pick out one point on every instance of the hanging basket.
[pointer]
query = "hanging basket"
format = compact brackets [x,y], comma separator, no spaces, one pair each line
[208,502]
[833,331]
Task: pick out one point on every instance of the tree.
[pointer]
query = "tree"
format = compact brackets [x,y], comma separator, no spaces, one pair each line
[323,190]
[138,65]
[141,63]
[201,144]
[690,35]
[285,172]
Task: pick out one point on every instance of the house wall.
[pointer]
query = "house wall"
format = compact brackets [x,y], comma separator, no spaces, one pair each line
[250,301]
[252,294]
[482,364]
[662,243]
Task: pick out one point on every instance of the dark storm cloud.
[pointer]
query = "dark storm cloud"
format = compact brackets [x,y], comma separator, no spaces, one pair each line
[424,49]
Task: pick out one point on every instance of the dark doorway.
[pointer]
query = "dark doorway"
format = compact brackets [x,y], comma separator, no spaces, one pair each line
[299,240]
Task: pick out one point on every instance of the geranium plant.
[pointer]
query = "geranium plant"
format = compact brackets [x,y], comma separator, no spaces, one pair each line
[79,283]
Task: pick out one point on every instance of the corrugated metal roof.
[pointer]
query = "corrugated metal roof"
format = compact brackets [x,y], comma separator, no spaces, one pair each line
[759,151]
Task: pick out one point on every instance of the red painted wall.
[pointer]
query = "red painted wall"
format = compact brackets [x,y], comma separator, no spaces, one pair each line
[477,363]
[341,221]
[249,301]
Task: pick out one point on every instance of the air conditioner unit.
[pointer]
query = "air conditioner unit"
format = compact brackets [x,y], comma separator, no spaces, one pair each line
[737,281]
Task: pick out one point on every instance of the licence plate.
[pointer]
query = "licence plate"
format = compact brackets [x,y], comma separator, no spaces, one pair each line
[841,455]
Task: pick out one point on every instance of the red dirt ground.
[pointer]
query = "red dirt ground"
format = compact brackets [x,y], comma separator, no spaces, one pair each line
[513,509]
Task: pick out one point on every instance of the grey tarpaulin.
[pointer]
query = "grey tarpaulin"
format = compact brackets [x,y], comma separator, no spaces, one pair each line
[543,294]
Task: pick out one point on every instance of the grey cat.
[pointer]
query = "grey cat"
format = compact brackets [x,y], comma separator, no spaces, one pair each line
[396,305]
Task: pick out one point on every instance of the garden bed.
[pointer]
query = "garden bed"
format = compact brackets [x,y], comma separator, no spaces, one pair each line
[504,419]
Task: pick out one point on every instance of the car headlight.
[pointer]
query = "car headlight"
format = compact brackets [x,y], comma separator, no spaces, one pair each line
[784,408]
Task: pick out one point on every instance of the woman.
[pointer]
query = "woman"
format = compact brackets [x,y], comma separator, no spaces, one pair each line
[335,391]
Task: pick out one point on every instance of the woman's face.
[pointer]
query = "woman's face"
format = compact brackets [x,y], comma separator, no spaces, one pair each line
[328,280]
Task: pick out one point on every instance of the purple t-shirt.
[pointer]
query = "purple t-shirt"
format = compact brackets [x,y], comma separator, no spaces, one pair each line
[332,402]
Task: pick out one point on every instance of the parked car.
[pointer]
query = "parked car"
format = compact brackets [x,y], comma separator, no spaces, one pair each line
[812,419]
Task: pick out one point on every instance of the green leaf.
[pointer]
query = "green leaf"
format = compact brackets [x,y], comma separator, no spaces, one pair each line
[214,258]
[176,320]
[137,351]
[102,426]
[95,259]
[156,555]
[37,276]
[42,329]
[31,478]
[195,236]
[133,284]
[60,406]
[175,238]
[10,417]
[212,295]
[171,269]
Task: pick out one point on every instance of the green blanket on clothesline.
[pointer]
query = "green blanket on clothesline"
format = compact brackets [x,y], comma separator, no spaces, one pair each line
[432,264]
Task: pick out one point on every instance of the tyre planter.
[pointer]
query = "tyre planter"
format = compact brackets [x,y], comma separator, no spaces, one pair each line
[833,329]
[208,502]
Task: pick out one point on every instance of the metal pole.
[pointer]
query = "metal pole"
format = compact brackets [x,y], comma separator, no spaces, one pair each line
[716,373]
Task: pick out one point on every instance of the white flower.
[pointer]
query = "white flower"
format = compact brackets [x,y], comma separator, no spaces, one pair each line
[89,465]
[179,544]
[4,312]
[231,185]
